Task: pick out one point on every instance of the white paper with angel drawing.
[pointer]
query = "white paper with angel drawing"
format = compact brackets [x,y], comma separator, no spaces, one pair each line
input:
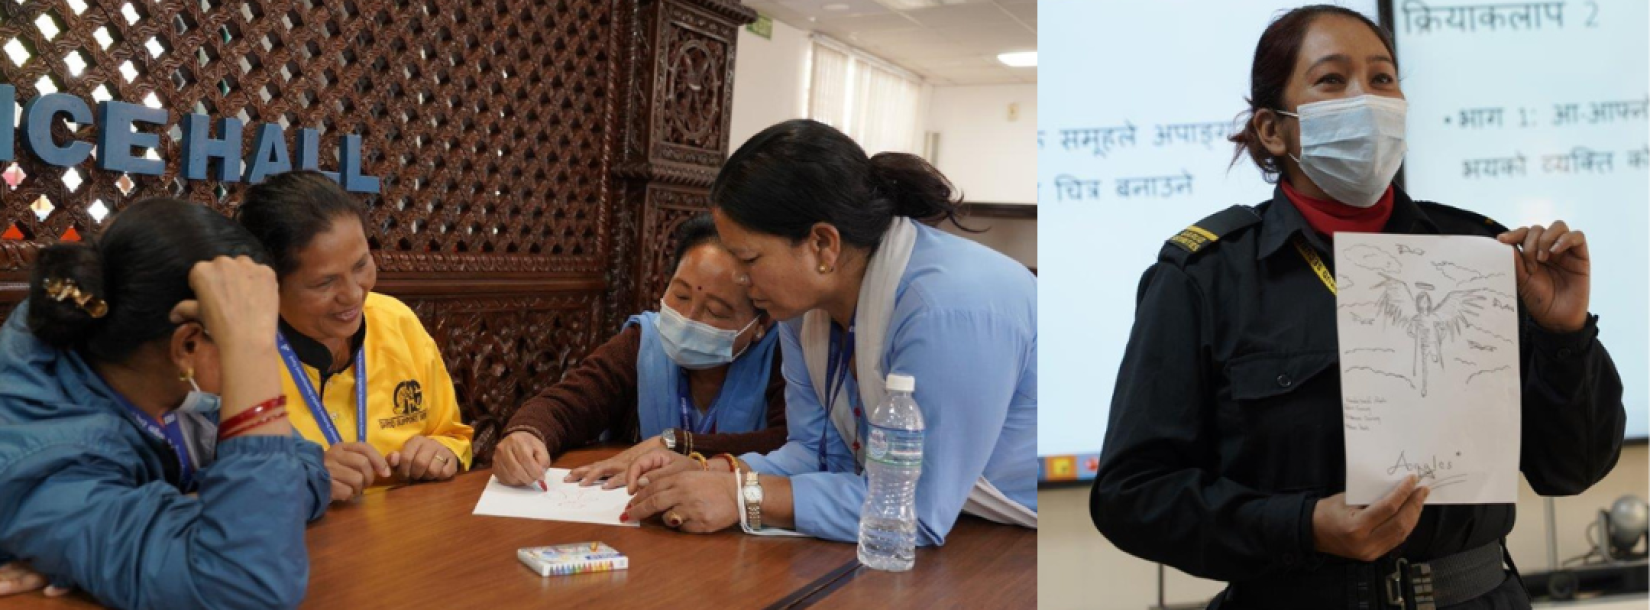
[1428,329]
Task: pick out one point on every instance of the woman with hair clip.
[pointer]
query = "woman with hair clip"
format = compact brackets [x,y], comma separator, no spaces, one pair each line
[831,243]
[145,454]
[1225,455]
[697,376]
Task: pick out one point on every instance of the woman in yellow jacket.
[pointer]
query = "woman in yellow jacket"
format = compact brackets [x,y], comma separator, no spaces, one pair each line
[367,381]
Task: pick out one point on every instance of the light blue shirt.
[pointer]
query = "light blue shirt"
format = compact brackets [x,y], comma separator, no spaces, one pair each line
[965,327]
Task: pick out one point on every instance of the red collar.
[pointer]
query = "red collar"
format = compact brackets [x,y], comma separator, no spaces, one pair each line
[1331,217]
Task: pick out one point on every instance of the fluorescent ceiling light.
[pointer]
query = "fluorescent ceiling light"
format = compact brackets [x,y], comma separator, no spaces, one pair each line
[1019,59]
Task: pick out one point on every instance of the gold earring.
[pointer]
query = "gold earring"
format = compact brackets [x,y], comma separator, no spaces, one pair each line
[823,268]
[186,375]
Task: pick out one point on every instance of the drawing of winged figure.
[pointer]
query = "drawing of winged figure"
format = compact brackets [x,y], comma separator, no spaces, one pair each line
[1429,322]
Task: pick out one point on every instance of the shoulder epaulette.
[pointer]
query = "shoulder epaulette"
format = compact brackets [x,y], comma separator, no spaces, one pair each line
[1206,232]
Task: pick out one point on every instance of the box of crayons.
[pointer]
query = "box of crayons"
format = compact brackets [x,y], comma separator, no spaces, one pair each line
[577,558]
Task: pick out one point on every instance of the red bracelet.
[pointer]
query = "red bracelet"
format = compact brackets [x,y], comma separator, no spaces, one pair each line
[232,433]
[733,462]
[252,413]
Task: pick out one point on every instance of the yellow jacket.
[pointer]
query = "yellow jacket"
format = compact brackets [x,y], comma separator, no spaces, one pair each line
[408,390]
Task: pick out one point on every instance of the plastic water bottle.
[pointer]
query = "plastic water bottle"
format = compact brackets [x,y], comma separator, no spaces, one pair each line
[893,462]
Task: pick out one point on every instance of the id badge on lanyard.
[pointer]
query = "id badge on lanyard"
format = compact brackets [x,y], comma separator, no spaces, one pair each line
[170,432]
[311,398]
[684,396]
[836,377]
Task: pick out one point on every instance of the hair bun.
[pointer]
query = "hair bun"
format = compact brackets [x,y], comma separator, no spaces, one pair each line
[915,188]
[66,322]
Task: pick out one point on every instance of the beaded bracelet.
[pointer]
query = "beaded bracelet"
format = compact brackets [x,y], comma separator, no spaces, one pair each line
[278,402]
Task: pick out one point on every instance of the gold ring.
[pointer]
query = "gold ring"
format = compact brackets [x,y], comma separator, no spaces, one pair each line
[672,519]
[441,458]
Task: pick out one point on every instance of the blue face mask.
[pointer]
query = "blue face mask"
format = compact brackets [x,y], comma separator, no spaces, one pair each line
[696,345]
[198,416]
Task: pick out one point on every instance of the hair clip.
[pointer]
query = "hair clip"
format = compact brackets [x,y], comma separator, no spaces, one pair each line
[60,290]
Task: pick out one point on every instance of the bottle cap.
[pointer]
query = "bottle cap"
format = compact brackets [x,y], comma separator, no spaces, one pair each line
[901,383]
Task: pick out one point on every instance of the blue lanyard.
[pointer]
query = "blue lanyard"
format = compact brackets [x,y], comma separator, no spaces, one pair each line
[836,376]
[171,434]
[684,394]
[316,408]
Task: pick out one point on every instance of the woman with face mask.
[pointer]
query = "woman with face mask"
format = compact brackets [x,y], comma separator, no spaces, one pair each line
[833,243]
[145,454]
[1224,455]
[696,377]
[365,379]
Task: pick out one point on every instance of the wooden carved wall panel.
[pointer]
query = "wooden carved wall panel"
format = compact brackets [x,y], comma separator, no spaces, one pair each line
[628,250]
[695,79]
[677,135]
[668,208]
[502,350]
[487,122]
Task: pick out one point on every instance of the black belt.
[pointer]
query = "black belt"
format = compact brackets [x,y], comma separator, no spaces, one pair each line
[1387,584]
[1444,581]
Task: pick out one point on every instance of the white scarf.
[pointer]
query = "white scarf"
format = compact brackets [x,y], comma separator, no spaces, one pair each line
[875,312]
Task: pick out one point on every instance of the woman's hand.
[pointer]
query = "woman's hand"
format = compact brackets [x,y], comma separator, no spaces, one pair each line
[17,577]
[237,302]
[613,469]
[1554,274]
[1367,533]
[353,466]
[424,459]
[656,464]
[520,459]
[236,299]
[693,501]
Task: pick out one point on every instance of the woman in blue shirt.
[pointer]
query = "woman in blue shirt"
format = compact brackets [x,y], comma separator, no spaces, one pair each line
[830,243]
[145,456]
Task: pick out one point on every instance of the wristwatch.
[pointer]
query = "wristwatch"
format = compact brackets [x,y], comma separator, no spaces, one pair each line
[753,500]
[668,437]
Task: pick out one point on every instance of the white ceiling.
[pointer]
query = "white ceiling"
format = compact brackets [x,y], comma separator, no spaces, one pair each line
[948,42]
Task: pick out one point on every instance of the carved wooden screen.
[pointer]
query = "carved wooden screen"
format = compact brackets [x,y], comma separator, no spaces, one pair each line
[534,156]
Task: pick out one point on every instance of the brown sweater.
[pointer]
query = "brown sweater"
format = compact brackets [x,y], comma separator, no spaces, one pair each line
[600,395]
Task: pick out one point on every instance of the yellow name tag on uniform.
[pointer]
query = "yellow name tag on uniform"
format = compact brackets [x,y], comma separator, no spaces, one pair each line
[1193,238]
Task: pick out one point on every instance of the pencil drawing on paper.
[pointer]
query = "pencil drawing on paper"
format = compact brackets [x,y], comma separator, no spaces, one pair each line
[571,496]
[1427,337]
[1439,318]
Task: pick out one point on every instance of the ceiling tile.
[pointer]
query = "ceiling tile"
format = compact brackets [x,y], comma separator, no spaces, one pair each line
[868,23]
[948,42]
[958,16]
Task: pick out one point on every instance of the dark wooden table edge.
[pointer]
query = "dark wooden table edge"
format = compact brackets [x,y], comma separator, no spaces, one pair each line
[821,587]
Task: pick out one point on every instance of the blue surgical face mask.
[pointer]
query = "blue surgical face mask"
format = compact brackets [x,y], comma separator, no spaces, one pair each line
[696,345]
[198,415]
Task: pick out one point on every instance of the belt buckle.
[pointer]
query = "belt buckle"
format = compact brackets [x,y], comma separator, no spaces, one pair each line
[1420,581]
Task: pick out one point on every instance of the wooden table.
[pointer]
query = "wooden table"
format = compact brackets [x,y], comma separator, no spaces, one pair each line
[420,547]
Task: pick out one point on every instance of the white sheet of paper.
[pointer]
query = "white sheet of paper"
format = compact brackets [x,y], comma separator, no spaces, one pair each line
[564,501]
[1428,329]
